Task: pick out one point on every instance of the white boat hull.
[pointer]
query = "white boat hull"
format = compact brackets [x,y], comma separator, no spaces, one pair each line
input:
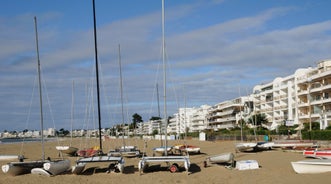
[187,148]
[78,168]
[246,146]
[161,150]
[125,151]
[265,145]
[67,150]
[19,168]
[221,158]
[8,157]
[313,166]
[40,171]
[57,167]
[293,144]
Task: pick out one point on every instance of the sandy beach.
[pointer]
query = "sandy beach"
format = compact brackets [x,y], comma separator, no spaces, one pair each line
[274,165]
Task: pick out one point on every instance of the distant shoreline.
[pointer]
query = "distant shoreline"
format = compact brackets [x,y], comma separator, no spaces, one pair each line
[20,140]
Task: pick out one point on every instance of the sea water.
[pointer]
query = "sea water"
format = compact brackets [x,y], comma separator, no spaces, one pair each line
[20,140]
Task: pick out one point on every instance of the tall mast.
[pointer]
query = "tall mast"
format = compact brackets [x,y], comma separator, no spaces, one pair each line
[72,109]
[97,72]
[121,86]
[164,82]
[40,94]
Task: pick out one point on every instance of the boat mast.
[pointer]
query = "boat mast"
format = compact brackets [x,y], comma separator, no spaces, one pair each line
[158,108]
[72,109]
[121,86]
[97,72]
[40,94]
[164,82]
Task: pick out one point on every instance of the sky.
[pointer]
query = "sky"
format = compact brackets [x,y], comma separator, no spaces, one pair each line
[216,50]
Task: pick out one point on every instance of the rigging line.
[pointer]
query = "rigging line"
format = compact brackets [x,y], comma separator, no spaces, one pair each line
[156,80]
[85,115]
[49,104]
[104,92]
[172,82]
[154,89]
[29,111]
[90,113]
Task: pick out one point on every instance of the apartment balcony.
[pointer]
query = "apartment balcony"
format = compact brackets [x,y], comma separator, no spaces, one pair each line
[222,120]
[221,126]
[302,92]
[302,104]
[282,107]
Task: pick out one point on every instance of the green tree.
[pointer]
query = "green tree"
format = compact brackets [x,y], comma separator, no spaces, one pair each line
[155,132]
[136,118]
[154,118]
[258,119]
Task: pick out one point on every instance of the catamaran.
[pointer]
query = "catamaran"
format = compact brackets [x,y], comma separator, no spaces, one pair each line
[25,167]
[171,161]
[116,163]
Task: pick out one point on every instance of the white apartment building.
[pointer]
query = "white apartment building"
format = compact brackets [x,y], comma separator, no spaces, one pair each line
[300,98]
[190,119]
[277,100]
[199,119]
[226,115]
[181,121]
[147,128]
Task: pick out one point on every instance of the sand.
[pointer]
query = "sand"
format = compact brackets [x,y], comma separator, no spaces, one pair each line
[275,166]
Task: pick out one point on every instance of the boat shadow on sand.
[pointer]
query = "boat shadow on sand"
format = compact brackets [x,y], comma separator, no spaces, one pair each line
[131,169]
[96,170]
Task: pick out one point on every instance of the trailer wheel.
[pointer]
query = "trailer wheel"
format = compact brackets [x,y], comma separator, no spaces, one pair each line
[173,168]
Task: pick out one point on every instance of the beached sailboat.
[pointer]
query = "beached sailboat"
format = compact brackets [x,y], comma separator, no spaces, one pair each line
[116,163]
[162,149]
[187,149]
[68,149]
[317,153]
[294,144]
[264,146]
[246,146]
[171,161]
[9,157]
[223,158]
[312,166]
[52,168]
[24,167]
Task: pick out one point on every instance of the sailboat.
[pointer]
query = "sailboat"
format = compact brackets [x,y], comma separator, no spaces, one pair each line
[69,150]
[312,166]
[124,150]
[318,153]
[171,161]
[223,158]
[116,163]
[44,166]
